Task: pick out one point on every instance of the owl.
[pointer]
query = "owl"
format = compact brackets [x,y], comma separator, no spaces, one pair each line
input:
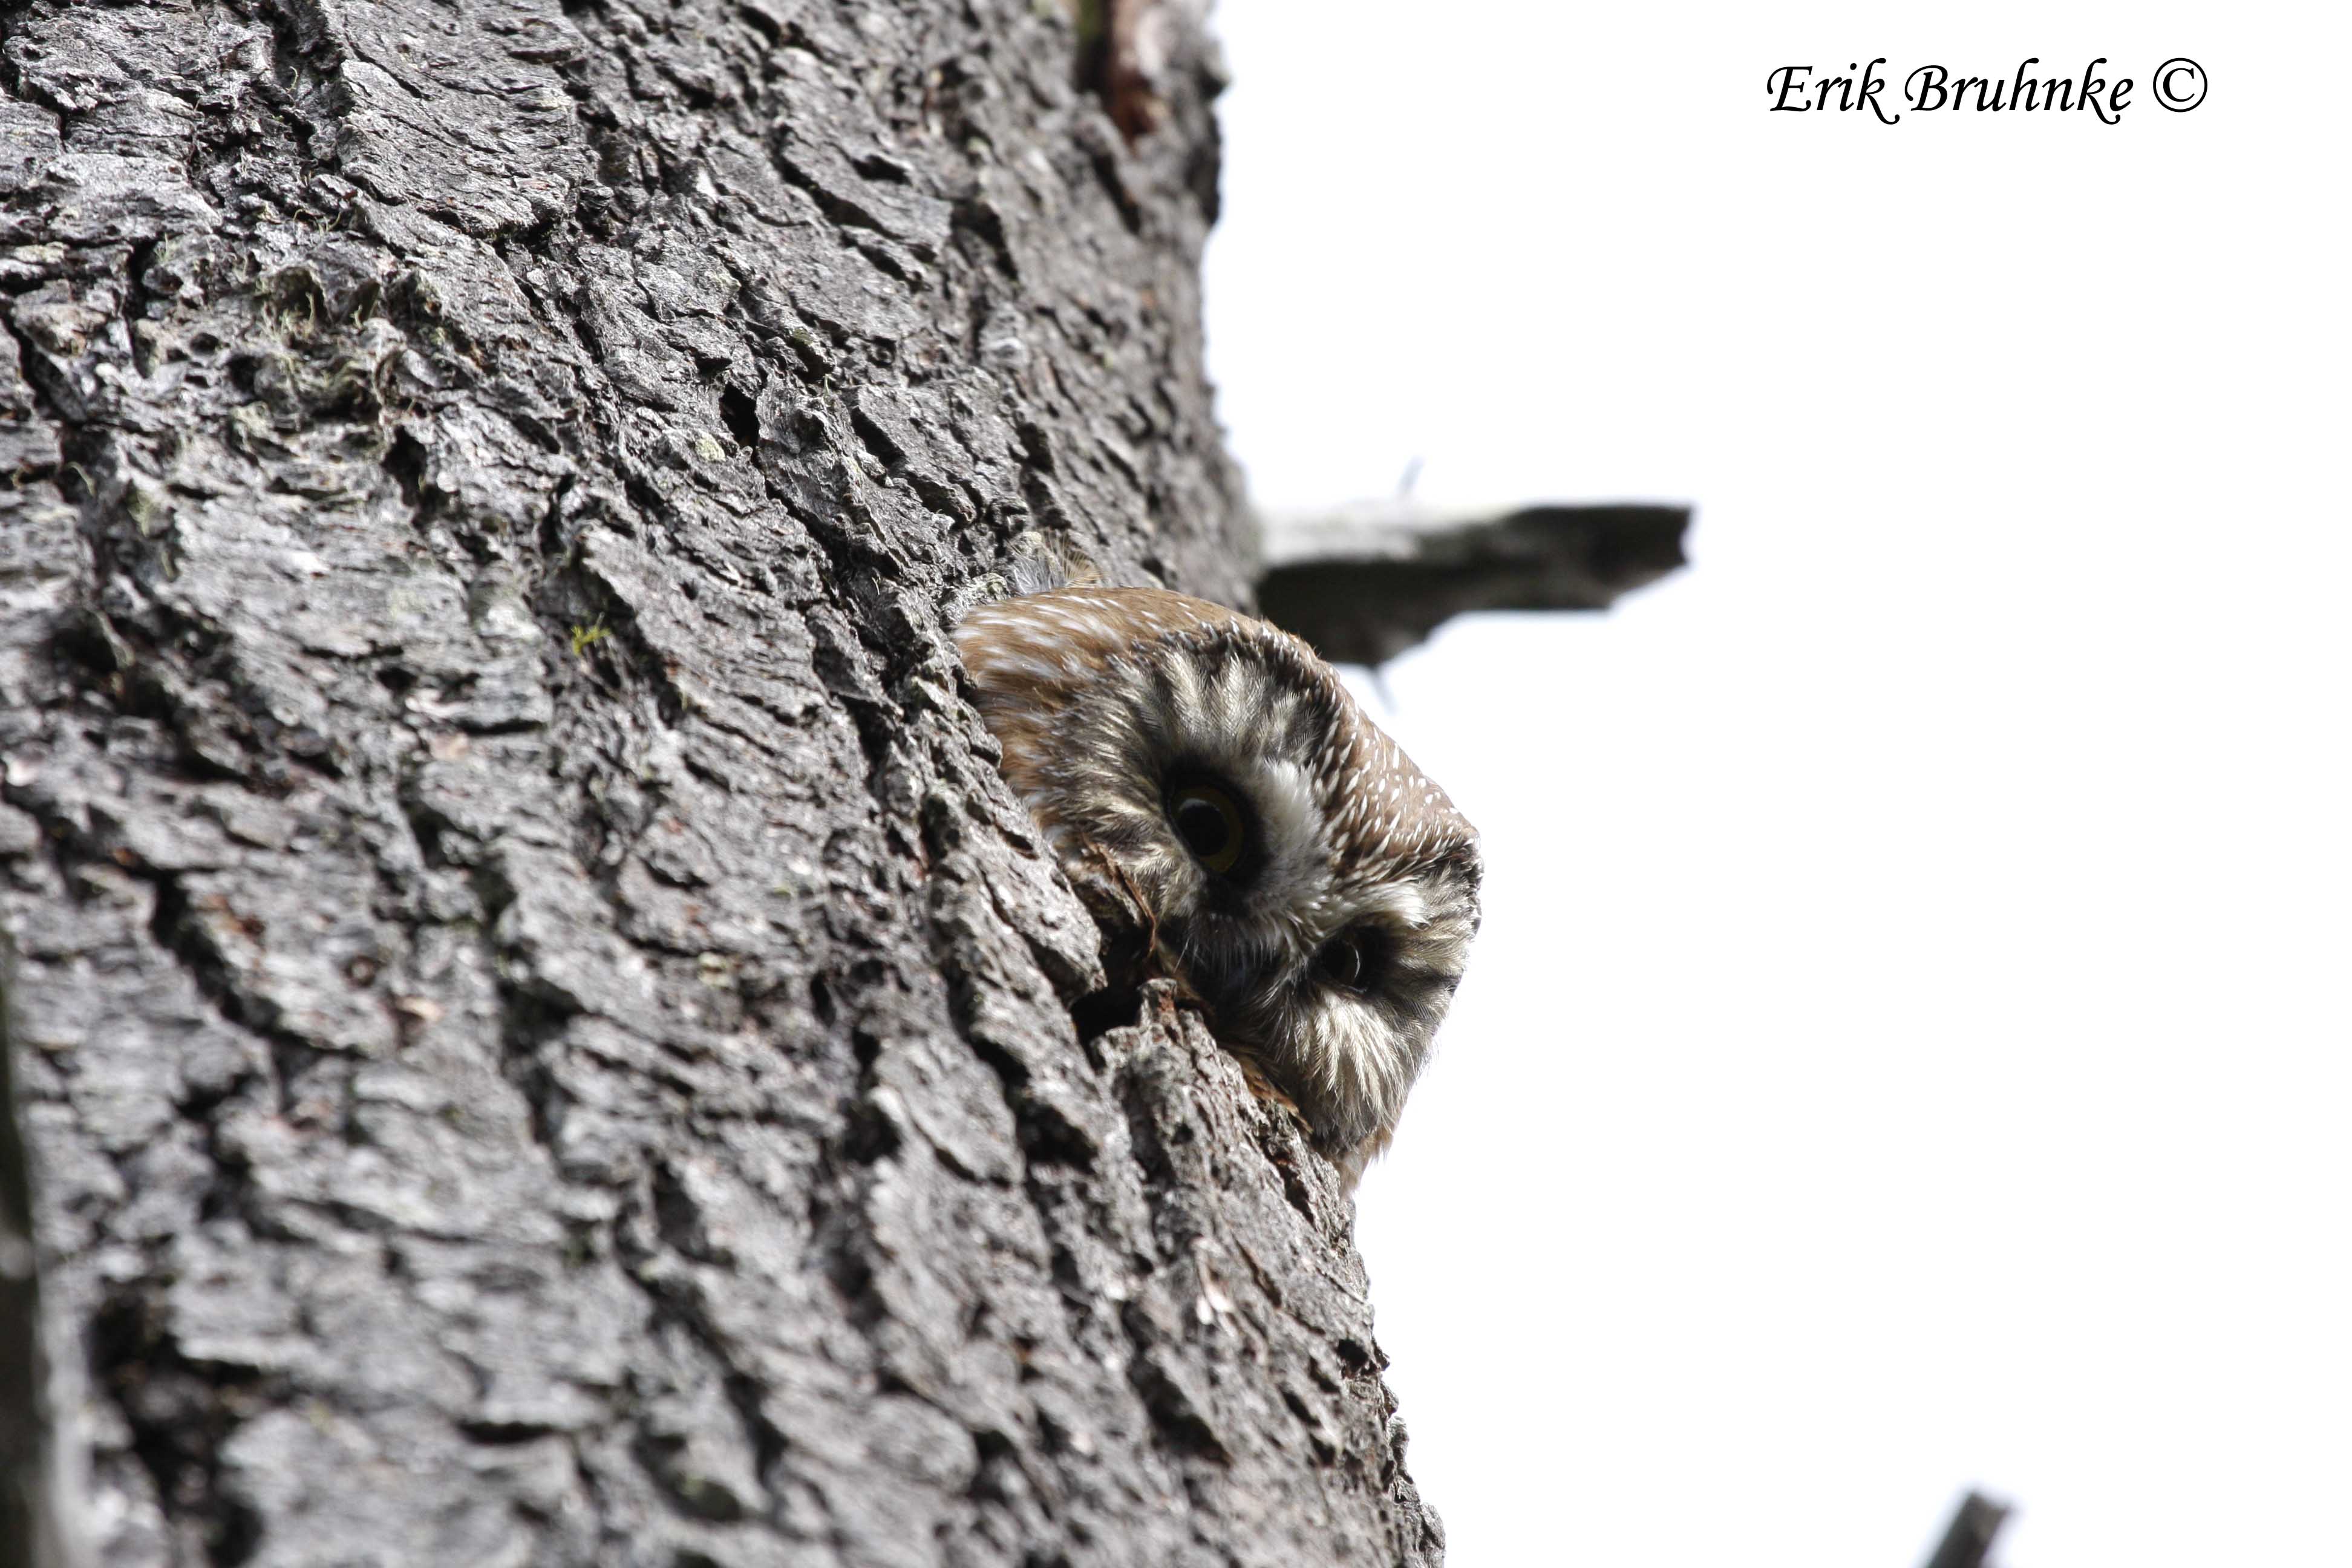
[1207,783]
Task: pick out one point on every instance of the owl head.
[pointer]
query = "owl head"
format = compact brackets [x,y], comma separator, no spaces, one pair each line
[1205,776]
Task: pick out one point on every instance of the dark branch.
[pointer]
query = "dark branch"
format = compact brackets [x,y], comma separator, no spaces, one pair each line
[1967,1543]
[1365,585]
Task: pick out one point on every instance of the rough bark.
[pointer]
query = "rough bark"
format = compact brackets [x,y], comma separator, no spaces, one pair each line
[34,1500]
[538,1033]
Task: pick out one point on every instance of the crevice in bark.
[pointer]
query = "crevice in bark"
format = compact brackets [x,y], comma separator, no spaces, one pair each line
[180,1413]
[179,934]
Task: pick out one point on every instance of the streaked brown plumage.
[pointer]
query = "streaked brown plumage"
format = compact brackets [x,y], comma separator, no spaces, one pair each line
[1206,776]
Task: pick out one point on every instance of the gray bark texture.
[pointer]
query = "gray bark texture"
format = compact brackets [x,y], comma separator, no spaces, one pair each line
[539,1034]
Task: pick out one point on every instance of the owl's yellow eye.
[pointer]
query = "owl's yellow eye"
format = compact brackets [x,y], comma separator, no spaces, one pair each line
[1209,824]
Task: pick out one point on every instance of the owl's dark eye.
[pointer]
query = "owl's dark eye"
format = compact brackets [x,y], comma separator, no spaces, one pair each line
[1210,825]
[1350,961]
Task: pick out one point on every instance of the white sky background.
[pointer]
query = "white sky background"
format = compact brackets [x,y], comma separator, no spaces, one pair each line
[1909,1046]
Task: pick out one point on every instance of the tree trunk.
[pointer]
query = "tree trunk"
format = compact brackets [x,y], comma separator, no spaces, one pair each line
[539,1033]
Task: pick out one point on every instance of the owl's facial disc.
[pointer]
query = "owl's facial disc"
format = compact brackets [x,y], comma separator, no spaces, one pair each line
[1207,780]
